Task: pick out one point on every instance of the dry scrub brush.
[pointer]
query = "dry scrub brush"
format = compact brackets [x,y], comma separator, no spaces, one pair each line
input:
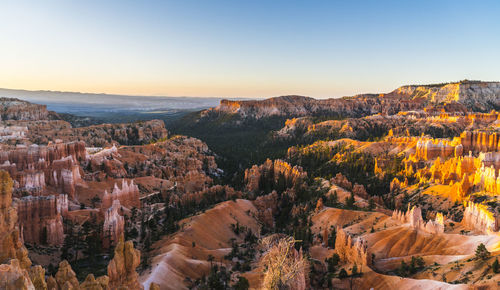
[284,267]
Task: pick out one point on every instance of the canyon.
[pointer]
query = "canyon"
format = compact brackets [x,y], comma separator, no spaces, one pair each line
[395,190]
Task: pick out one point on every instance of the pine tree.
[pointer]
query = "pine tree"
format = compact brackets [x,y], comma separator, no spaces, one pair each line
[496,266]
[482,253]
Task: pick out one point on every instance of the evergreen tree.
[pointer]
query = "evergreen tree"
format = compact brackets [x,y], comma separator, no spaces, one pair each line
[482,253]
[495,266]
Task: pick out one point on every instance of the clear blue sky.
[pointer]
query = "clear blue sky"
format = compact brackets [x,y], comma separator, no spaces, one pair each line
[245,48]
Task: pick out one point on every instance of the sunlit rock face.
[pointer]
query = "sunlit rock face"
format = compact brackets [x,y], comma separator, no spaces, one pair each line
[103,135]
[352,251]
[128,195]
[114,225]
[13,276]
[479,217]
[414,218]
[121,269]
[478,141]
[475,95]
[297,106]
[273,173]
[35,167]
[11,244]
[15,109]
[40,218]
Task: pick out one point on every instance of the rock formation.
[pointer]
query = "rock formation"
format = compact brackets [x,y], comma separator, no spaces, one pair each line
[128,195]
[66,277]
[275,174]
[36,167]
[114,225]
[267,207]
[40,218]
[121,269]
[350,251]
[475,95]
[11,245]
[413,217]
[14,277]
[15,109]
[479,217]
[143,132]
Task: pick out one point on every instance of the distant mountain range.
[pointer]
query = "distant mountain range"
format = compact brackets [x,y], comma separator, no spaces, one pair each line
[80,103]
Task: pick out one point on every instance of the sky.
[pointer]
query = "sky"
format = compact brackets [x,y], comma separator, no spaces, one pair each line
[248,48]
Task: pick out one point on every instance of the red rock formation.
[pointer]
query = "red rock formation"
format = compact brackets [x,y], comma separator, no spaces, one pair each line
[143,132]
[121,269]
[277,173]
[13,277]
[342,181]
[35,167]
[128,196]
[215,192]
[15,109]
[350,251]
[478,141]
[413,216]
[114,225]
[479,217]
[267,206]
[66,277]
[11,244]
[41,220]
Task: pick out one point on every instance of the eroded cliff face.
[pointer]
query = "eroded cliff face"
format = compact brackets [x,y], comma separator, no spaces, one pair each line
[414,218]
[97,135]
[276,174]
[297,106]
[15,109]
[479,217]
[127,195]
[35,167]
[11,244]
[121,270]
[114,225]
[475,95]
[457,97]
[352,251]
[40,218]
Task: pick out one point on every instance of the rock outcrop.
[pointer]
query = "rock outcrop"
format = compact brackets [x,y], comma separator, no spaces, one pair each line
[479,217]
[15,109]
[413,217]
[15,277]
[11,244]
[276,174]
[66,277]
[114,225]
[121,269]
[143,132]
[128,196]
[352,251]
[40,218]
[35,167]
[480,96]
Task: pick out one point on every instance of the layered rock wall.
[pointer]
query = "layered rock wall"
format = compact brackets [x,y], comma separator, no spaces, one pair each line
[15,109]
[352,251]
[413,217]
[35,167]
[40,218]
[128,195]
[479,217]
[121,269]
[275,174]
[114,225]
